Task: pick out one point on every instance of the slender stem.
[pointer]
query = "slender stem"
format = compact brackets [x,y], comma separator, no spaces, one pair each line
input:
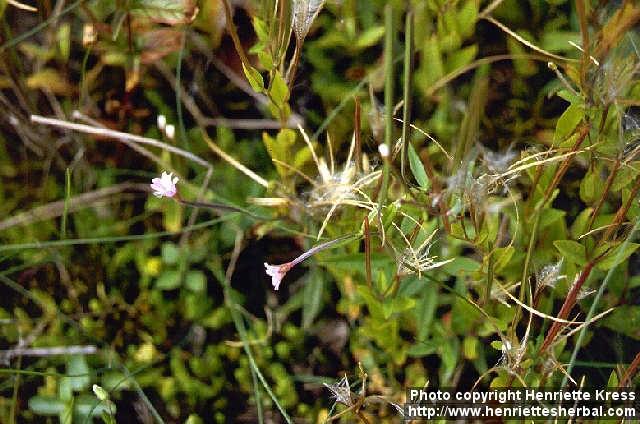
[220,207]
[628,374]
[388,100]
[607,187]
[293,66]
[567,305]
[622,212]
[487,293]
[367,250]
[356,135]
[406,112]
[234,34]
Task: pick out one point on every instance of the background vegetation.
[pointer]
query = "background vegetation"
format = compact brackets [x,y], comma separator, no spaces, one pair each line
[488,243]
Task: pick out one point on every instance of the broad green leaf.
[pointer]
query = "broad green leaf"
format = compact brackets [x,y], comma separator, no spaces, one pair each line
[572,251]
[417,168]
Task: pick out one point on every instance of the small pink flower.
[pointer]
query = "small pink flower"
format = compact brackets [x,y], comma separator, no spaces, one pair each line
[277,273]
[164,186]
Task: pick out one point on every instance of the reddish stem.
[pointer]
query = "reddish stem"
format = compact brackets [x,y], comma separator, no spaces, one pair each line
[629,373]
[568,304]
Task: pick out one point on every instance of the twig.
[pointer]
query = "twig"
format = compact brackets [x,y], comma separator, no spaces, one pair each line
[240,167]
[55,209]
[6,355]
[105,132]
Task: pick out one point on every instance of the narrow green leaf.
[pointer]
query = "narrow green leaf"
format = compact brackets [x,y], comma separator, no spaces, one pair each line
[568,122]
[279,92]
[417,168]
[254,77]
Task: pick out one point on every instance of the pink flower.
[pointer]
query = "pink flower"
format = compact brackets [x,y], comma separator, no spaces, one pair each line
[277,272]
[164,186]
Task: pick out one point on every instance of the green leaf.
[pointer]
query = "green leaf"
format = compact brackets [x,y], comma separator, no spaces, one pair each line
[502,256]
[425,311]
[423,348]
[550,216]
[624,319]
[254,77]
[370,37]
[558,41]
[78,368]
[279,92]
[579,226]
[195,281]
[467,17]
[170,253]
[572,251]
[417,168]
[461,58]
[617,256]
[590,186]
[168,280]
[281,149]
[567,122]
[470,347]
[46,405]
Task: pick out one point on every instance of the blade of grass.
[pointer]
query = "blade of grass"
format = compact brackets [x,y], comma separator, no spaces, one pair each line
[98,240]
